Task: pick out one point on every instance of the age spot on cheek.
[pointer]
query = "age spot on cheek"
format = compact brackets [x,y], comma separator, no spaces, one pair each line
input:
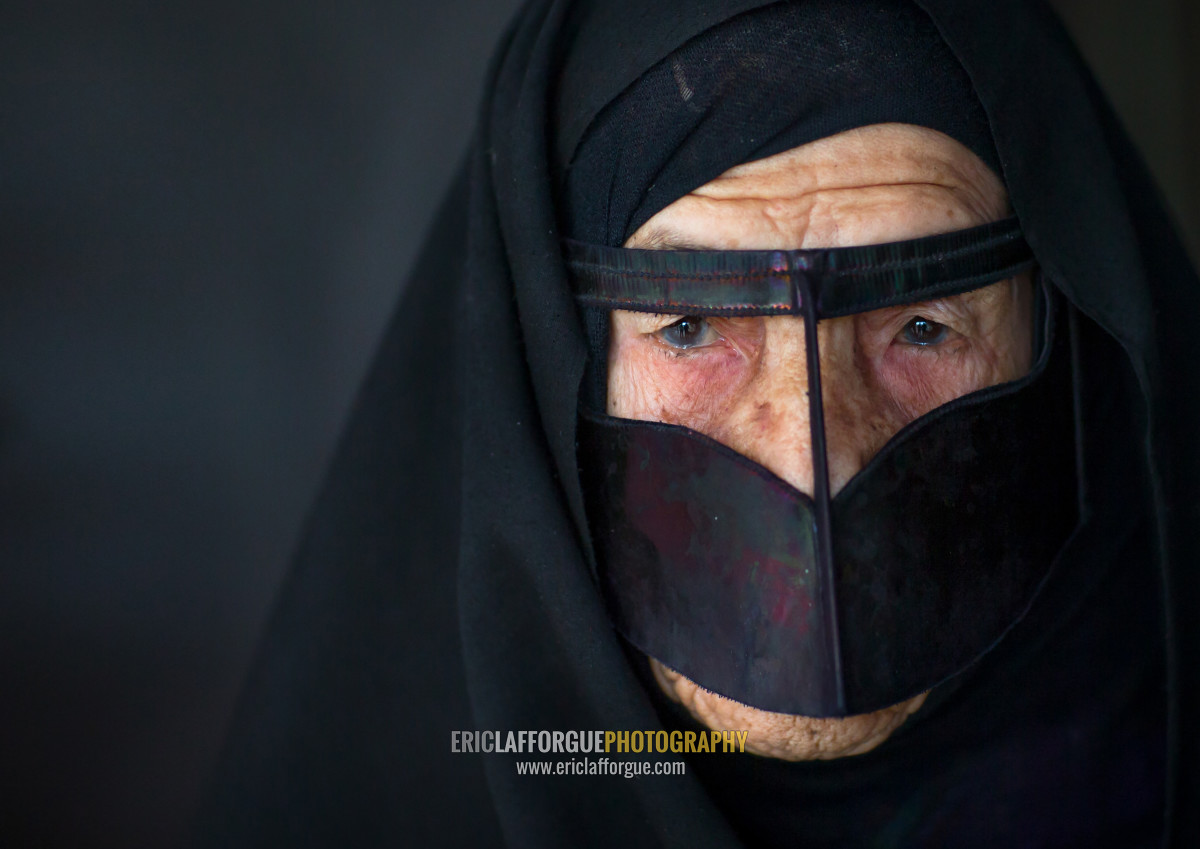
[763,418]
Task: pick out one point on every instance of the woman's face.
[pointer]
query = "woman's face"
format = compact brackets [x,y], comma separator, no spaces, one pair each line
[743,381]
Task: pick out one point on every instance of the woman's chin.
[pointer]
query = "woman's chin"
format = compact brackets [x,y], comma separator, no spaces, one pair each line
[781,735]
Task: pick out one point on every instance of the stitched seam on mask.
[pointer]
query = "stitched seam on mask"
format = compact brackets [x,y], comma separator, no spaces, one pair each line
[961,285]
[855,270]
[681,308]
[940,256]
[999,240]
[676,275]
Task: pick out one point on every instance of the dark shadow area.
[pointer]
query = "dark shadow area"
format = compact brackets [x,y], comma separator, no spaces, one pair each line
[206,213]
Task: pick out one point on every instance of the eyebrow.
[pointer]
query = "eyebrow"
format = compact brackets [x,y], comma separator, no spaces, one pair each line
[659,238]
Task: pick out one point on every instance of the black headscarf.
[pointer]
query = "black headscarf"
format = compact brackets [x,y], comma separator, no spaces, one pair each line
[758,84]
[442,583]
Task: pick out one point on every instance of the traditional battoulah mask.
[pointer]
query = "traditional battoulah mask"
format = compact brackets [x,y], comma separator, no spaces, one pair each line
[829,605]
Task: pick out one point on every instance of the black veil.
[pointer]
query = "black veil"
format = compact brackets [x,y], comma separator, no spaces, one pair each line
[442,581]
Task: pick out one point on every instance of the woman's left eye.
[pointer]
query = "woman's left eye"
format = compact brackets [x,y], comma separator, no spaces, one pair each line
[691,331]
[922,331]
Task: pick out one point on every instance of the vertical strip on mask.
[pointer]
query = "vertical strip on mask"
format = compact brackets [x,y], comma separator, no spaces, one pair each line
[805,294]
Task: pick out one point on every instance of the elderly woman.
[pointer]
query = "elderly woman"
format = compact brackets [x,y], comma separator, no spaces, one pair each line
[796,370]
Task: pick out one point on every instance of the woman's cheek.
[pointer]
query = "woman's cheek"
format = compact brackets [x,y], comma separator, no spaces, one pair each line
[649,381]
[921,381]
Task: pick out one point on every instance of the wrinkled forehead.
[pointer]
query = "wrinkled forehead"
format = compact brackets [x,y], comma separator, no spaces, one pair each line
[871,218]
[757,84]
[870,185]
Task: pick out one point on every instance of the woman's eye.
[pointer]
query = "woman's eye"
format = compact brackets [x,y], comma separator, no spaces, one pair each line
[691,331]
[922,331]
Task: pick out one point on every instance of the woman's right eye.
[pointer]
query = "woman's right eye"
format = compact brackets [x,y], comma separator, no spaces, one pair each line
[924,332]
[691,331]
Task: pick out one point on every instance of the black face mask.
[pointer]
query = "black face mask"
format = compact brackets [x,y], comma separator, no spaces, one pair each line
[817,605]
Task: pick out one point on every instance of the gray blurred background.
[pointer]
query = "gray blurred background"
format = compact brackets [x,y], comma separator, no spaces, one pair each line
[206,212]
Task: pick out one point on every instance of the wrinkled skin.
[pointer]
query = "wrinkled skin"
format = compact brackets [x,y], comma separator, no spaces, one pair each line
[743,381]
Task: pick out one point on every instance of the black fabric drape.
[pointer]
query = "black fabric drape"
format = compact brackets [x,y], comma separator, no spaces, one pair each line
[758,84]
[443,582]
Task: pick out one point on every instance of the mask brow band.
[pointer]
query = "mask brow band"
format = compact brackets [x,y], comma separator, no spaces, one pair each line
[842,280]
